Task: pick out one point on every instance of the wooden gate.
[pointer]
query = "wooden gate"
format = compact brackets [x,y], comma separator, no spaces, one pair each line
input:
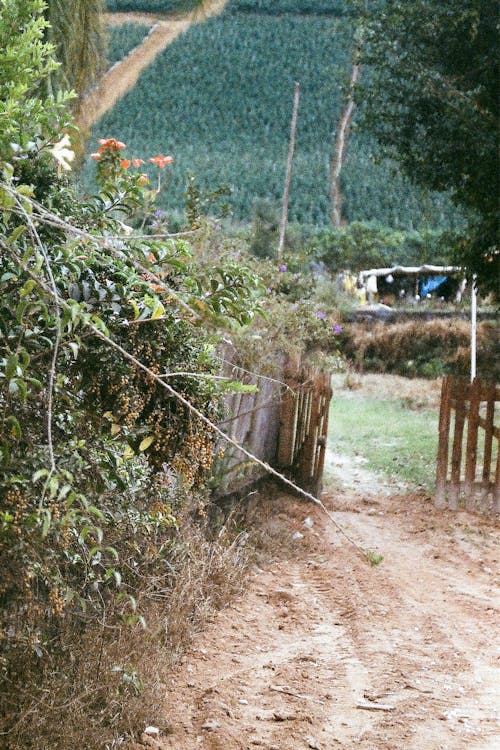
[468,466]
[304,425]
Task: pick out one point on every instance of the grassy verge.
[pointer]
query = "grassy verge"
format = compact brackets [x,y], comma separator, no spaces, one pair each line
[395,431]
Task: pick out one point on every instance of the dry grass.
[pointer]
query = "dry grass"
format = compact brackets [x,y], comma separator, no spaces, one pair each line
[422,348]
[107,682]
[414,393]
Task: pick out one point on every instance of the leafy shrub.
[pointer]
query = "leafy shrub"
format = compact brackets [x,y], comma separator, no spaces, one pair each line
[106,385]
[360,246]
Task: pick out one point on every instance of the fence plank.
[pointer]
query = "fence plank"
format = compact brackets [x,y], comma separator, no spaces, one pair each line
[444,440]
[471,450]
[323,432]
[459,399]
[467,402]
[488,439]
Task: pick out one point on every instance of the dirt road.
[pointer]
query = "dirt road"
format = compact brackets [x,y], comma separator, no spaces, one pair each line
[123,76]
[324,651]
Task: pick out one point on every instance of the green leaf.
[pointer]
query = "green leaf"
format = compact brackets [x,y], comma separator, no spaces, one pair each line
[15,427]
[11,366]
[39,475]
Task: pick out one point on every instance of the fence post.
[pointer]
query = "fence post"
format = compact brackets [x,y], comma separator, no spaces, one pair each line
[488,438]
[288,425]
[443,447]
[471,452]
[326,395]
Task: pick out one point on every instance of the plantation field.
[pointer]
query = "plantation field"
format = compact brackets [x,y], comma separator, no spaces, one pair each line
[276,7]
[219,100]
[150,6]
[123,39]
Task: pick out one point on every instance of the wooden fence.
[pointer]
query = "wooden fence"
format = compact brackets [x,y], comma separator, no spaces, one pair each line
[468,465]
[283,423]
[304,426]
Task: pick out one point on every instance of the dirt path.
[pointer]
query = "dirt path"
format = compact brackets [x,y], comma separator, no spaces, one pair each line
[123,76]
[324,651]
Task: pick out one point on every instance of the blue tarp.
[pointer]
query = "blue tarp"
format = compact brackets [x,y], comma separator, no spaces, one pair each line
[429,285]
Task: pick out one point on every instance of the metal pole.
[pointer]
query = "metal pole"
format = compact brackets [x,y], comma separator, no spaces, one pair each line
[473,334]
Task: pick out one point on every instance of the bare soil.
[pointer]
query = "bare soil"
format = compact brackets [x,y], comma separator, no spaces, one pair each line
[324,651]
[123,76]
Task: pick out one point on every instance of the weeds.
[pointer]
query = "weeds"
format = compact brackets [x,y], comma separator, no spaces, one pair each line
[374,559]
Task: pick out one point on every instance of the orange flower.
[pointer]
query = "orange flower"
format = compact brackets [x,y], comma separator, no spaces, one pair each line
[110,143]
[143,179]
[95,156]
[125,163]
[161,161]
[137,162]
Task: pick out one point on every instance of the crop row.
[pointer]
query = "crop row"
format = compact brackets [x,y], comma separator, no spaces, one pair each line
[150,6]
[219,100]
[300,7]
[123,39]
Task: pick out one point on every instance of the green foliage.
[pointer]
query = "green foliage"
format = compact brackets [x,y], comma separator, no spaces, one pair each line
[228,122]
[374,559]
[24,62]
[152,6]
[104,355]
[123,39]
[359,246]
[432,101]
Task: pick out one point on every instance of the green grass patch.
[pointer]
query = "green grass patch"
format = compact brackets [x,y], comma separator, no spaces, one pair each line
[398,442]
[123,39]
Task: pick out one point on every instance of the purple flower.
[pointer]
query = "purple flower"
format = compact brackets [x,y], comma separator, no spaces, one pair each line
[337,328]
[321,315]
[282,268]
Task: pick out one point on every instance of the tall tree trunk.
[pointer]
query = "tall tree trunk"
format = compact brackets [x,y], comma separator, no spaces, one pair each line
[341,142]
[288,178]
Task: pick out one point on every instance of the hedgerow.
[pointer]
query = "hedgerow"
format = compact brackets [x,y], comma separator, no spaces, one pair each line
[422,348]
[107,391]
[228,121]
[123,39]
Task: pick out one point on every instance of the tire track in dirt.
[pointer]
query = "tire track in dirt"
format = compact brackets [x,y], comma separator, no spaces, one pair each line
[323,651]
[124,75]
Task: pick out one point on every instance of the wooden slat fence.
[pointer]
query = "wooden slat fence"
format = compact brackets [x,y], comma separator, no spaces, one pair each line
[284,423]
[304,426]
[468,465]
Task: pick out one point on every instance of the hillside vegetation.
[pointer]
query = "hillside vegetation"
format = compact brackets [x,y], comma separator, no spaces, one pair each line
[219,100]
[150,6]
[123,39]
